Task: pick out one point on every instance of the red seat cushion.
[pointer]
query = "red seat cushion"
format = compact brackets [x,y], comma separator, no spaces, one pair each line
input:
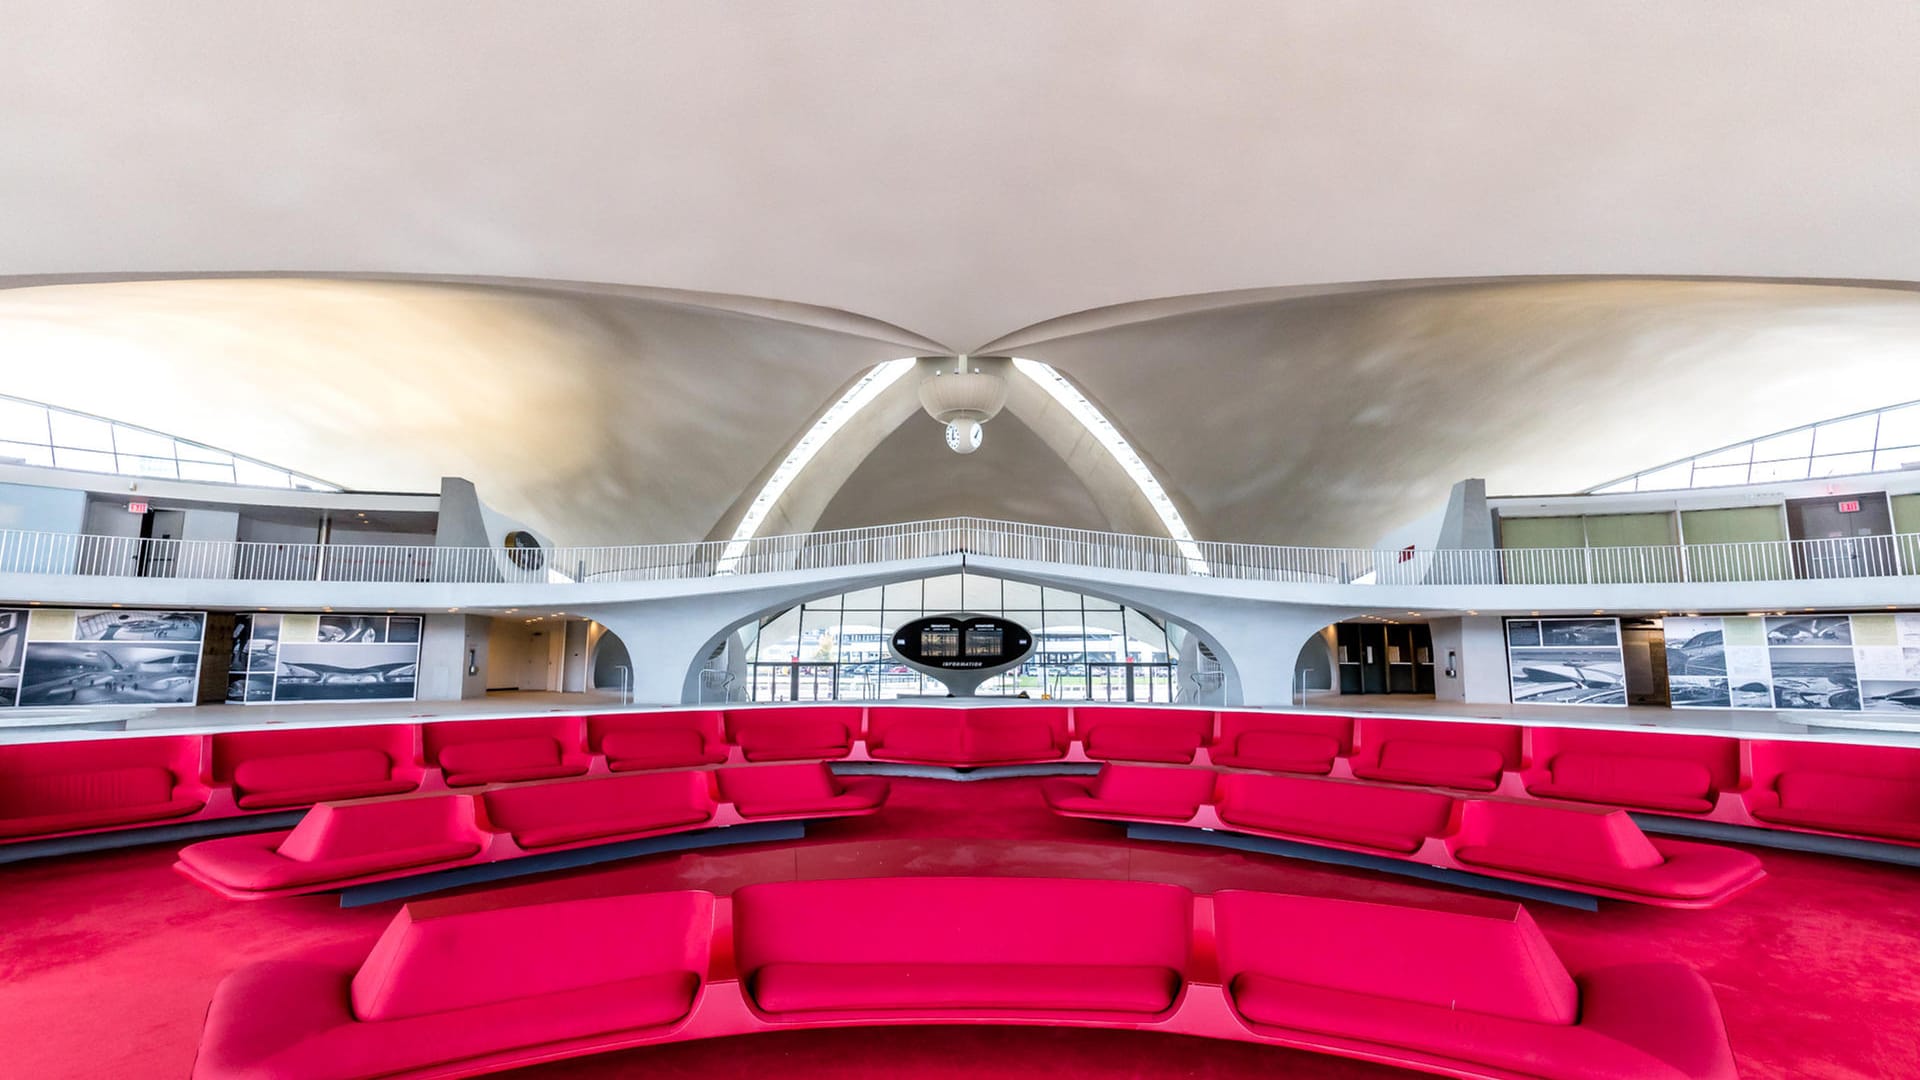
[1388,819]
[1130,791]
[546,815]
[1283,751]
[1722,871]
[1014,734]
[1415,761]
[1140,742]
[793,738]
[330,768]
[934,739]
[1846,803]
[251,863]
[793,988]
[1623,780]
[655,748]
[797,790]
[332,793]
[71,821]
[63,802]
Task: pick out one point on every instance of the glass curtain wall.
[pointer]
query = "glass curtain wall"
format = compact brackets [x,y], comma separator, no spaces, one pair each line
[836,648]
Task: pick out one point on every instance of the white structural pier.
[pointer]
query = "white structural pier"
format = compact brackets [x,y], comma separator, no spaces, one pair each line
[1254,605]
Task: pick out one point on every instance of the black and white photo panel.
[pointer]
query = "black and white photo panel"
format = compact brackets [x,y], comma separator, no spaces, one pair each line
[13,640]
[1809,630]
[111,672]
[117,624]
[1814,677]
[346,672]
[1566,661]
[353,629]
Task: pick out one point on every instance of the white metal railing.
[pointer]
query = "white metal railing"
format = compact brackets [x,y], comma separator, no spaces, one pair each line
[118,556]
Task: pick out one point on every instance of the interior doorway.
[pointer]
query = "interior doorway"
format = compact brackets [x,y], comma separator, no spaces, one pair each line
[1854,534]
[1384,657]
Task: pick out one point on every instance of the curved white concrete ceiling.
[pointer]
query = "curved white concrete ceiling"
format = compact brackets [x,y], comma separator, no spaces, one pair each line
[1330,419]
[597,419]
[962,170]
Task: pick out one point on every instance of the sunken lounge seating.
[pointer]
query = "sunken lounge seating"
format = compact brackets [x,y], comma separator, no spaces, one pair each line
[967,737]
[55,789]
[449,990]
[1582,849]
[1145,792]
[676,739]
[1125,733]
[1673,774]
[475,752]
[556,814]
[341,844]
[1862,790]
[1485,996]
[275,770]
[338,845]
[458,988]
[1595,849]
[794,733]
[1282,742]
[1467,756]
[1363,815]
[776,792]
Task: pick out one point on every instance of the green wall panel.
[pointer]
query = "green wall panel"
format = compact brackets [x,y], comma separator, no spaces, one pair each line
[1706,530]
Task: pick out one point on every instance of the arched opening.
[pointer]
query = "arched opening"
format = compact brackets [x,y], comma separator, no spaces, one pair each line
[837,647]
[612,667]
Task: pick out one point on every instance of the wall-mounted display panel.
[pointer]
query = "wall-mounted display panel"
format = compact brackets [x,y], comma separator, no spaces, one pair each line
[1566,662]
[1844,663]
[99,656]
[289,657]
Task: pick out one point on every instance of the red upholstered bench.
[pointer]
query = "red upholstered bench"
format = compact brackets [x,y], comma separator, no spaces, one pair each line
[1596,849]
[475,752]
[1486,996]
[1675,774]
[767,792]
[659,740]
[1870,791]
[569,812]
[1154,793]
[47,789]
[1128,733]
[937,735]
[1282,742]
[272,770]
[794,733]
[1470,757]
[340,844]
[1361,815]
[947,947]
[467,991]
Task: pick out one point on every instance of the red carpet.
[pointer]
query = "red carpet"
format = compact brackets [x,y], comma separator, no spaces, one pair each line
[107,961]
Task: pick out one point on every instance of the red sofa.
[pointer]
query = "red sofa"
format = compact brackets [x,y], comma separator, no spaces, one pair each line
[275,770]
[563,813]
[341,844]
[1363,815]
[1486,995]
[1282,742]
[448,988]
[475,752]
[1596,849]
[1871,791]
[1144,792]
[1675,774]
[1133,733]
[794,732]
[1468,756]
[676,739]
[57,789]
[965,737]
[459,987]
[774,792]
[946,947]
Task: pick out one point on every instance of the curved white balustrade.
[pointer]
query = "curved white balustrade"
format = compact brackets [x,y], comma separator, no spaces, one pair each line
[68,554]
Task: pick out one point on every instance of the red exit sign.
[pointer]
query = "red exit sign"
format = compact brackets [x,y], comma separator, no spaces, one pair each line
[1850,506]
[136,508]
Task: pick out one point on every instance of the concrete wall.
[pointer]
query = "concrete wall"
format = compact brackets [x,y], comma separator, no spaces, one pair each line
[1475,647]
[449,645]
